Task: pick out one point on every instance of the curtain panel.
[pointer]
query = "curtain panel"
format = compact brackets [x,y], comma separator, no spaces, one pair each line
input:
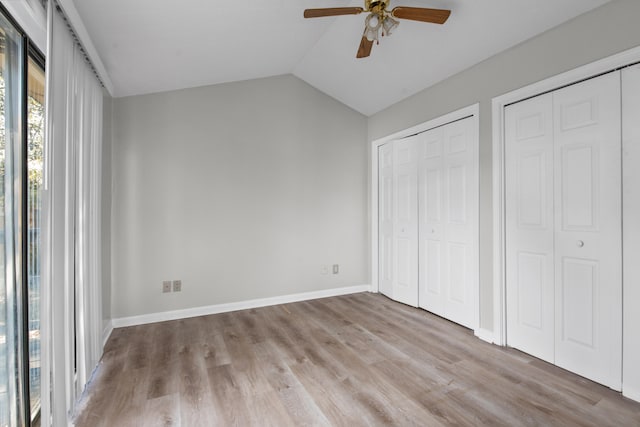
[72,270]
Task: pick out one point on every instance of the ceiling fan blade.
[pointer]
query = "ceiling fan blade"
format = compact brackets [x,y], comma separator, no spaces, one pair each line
[332,11]
[364,49]
[434,16]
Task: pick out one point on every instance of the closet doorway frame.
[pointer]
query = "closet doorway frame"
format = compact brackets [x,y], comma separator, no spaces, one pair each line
[463,113]
[498,104]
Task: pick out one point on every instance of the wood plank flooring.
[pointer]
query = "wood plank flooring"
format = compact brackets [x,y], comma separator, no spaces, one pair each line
[352,360]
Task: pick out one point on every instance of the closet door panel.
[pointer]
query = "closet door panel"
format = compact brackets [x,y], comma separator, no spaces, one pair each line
[405,230]
[448,222]
[460,163]
[529,215]
[588,223]
[385,219]
[431,228]
[631,235]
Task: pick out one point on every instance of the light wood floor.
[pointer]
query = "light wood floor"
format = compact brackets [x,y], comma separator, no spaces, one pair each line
[346,361]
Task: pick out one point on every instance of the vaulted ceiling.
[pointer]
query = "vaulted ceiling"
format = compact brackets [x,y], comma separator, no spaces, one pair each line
[158,45]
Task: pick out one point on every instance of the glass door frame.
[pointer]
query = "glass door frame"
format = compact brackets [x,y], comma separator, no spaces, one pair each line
[20,228]
[31,52]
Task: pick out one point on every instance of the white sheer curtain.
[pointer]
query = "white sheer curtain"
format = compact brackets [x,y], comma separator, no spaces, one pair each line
[72,270]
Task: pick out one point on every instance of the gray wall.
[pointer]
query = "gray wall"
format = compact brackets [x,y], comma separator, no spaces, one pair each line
[107,123]
[241,190]
[587,38]
[244,190]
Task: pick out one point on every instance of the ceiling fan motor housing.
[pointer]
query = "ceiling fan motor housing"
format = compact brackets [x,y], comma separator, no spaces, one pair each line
[379,20]
[376,6]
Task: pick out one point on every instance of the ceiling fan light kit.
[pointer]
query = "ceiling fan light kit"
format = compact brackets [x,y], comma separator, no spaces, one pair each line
[371,27]
[389,25]
[380,21]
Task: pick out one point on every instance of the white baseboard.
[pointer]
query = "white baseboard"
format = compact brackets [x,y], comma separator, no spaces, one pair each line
[631,393]
[108,328]
[485,335]
[234,306]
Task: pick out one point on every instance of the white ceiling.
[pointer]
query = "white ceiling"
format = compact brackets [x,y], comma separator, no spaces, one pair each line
[158,45]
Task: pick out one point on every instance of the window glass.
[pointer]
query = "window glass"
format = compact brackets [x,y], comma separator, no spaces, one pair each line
[11,338]
[35,149]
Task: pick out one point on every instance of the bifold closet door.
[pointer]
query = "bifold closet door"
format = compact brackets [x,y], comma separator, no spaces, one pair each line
[563,211]
[588,235]
[385,219]
[405,204]
[398,220]
[448,222]
[530,229]
[631,235]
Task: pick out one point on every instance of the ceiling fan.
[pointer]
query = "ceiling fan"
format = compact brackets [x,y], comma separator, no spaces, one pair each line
[380,20]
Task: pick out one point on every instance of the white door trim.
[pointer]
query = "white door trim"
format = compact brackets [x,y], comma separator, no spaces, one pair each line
[470,111]
[499,103]
[631,234]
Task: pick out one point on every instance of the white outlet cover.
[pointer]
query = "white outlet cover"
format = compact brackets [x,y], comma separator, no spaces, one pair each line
[166,286]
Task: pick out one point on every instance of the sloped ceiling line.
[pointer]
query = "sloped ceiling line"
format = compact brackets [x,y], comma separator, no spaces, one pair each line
[152,46]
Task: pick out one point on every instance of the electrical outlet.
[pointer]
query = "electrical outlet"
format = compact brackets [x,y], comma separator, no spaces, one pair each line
[177,285]
[336,268]
[324,269]
[166,286]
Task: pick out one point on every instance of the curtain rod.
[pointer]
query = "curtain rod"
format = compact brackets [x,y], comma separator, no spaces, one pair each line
[76,39]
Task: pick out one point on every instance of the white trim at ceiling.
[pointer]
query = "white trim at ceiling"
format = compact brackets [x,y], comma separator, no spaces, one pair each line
[499,103]
[32,17]
[74,19]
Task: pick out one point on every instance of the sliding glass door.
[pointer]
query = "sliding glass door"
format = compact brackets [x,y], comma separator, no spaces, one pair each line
[21,160]
[12,384]
[34,165]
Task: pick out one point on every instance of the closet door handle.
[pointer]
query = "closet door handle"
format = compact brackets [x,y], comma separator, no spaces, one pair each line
[579,243]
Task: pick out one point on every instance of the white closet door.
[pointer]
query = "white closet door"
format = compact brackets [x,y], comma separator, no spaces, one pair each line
[564,228]
[433,277]
[631,236]
[529,226]
[385,219]
[448,224]
[405,214]
[588,225]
